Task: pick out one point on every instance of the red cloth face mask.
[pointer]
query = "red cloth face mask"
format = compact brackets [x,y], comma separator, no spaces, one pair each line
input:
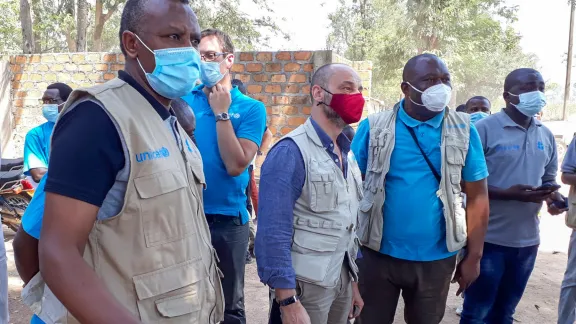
[348,106]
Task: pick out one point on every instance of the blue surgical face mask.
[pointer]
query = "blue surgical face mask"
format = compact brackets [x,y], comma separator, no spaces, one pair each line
[210,73]
[176,72]
[50,112]
[531,103]
[477,116]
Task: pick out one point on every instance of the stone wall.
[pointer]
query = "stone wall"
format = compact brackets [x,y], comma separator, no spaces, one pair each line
[281,80]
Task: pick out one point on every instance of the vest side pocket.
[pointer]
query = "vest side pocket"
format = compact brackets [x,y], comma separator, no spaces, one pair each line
[158,192]
[314,244]
[364,215]
[174,291]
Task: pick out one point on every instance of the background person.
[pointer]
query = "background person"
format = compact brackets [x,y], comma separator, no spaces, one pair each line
[567,303]
[521,157]
[231,126]
[37,142]
[185,116]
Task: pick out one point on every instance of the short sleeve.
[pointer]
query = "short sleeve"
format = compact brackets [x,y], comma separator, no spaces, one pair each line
[86,155]
[34,151]
[360,145]
[253,124]
[475,168]
[569,163]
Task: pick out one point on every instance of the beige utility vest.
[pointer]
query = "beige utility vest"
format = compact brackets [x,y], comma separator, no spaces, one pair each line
[454,148]
[156,255]
[325,214]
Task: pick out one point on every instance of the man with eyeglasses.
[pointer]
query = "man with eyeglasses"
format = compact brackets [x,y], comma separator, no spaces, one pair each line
[37,140]
[229,129]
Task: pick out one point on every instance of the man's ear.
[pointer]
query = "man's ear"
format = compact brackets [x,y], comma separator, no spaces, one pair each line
[405,87]
[317,93]
[230,60]
[129,43]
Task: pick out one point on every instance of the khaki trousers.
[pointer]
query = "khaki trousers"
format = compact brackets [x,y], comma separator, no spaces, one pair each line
[323,305]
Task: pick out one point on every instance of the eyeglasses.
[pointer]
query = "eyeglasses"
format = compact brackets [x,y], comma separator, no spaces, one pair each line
[49,101]
[211,56]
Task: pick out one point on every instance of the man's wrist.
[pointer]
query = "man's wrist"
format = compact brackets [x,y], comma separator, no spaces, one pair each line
[282,294]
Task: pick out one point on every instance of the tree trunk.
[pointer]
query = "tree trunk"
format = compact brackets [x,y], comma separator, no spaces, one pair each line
[26,22]
[81,25]
[98,27]
[70,11]
[100,19]
[37,20]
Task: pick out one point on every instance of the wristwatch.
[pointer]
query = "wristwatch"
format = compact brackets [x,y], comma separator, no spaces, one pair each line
[288,301]
[223,117]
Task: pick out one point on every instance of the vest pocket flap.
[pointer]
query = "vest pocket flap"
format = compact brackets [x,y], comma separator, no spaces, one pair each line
[168,279]
[159,183]
[178,305]
[322,177]
[318,242]
[366,204]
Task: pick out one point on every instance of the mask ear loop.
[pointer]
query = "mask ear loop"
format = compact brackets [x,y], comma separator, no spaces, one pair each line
[148,48]
[322,102]
[413,87]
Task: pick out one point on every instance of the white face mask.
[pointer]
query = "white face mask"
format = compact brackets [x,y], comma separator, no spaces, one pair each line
[435,98]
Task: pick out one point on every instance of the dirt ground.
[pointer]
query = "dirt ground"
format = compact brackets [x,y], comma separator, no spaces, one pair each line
[538,305]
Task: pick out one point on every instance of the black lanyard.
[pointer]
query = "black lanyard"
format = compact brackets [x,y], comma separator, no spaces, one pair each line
[430,165]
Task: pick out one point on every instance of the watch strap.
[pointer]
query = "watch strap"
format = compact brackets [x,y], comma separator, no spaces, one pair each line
[288,301]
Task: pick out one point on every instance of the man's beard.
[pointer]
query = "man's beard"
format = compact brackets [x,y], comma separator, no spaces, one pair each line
[333,116]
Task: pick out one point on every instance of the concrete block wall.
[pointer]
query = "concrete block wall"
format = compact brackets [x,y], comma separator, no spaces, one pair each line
[281,80]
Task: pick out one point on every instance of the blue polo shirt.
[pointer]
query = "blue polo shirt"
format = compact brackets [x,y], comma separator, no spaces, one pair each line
[416,231]
[36,147]
[224,194]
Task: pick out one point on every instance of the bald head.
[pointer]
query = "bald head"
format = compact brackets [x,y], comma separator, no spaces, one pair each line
[421,62]
[338,73]
[519,76]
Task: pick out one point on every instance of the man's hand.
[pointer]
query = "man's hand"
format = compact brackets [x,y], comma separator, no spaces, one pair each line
[527,193]
[219,99]
[357,302]
[552,208]
[294,314]
[467,271]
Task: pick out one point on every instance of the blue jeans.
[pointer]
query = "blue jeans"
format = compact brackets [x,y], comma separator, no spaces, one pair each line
[504,273]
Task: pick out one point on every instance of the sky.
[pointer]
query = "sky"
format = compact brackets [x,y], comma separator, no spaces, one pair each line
[543,26]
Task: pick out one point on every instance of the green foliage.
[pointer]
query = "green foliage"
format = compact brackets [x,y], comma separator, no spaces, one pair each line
[10,31]
[467,34]
[55,26]
[246,32]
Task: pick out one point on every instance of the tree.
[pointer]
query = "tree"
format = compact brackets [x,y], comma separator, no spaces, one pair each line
[26,21]
[82,25]
[467,34]
[101,17]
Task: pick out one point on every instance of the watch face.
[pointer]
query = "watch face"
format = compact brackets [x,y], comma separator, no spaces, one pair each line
[225,115]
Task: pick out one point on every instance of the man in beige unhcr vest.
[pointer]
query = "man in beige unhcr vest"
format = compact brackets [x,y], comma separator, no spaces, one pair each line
[411,220]
[310,188]
[124,238]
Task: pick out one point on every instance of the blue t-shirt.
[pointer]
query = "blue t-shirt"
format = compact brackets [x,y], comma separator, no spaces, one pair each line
[224,194]
[36,147]
[416,231]
[32,218]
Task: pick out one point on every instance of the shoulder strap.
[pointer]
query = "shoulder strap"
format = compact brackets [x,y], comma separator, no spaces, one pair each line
[411,131]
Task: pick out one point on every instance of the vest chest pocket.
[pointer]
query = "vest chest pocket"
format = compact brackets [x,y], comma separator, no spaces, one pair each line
[165,207]
[323,191]
[456,151]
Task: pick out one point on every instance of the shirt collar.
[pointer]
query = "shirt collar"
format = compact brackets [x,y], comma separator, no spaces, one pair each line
[435,121]
[233,93]
[160,109]
[506,121]
[342,141]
